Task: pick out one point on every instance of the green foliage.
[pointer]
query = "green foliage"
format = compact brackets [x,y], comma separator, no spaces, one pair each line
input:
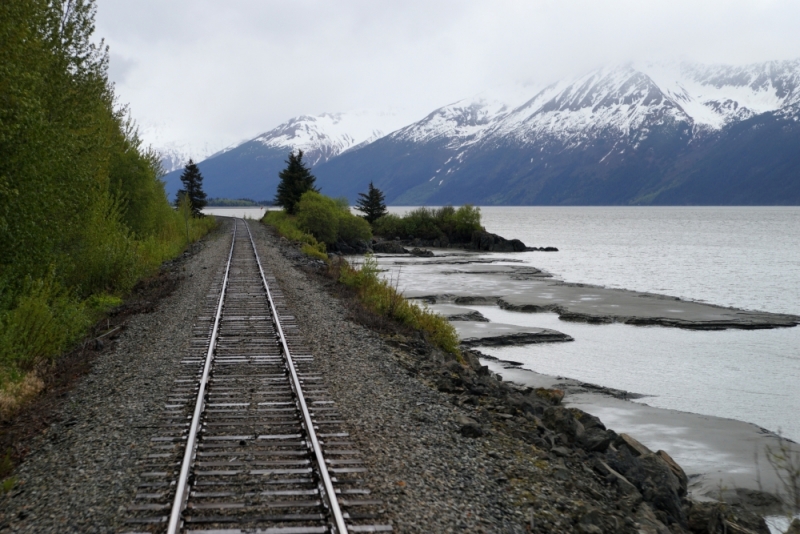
[6,467]
[329,220]
[45,320]
[382,298]
[372,204]
[457,225]
[315,251]
[296,179]
[193,189]
[319,216]
[286,225]
[353,228]
[390,226]
[83,212]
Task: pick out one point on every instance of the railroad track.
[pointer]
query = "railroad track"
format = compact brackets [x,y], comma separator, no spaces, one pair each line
[249,439]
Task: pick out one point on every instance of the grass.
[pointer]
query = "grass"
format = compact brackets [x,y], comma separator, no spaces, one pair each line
[287,226]
[381,297]
[6,467]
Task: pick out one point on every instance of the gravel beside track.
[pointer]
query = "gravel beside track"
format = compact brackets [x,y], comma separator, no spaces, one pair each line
[431,478]
[81,474]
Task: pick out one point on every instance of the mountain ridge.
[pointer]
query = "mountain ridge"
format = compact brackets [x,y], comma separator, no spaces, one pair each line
[627,134]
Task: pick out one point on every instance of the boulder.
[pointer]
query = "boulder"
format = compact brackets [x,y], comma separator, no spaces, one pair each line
[721,518]
[469,427]
[661,488]
[389,247]
[677,470]
[561,420]
[794,528]
[648,522]
[653,478]
[482,240]
[636,448]
[423,253]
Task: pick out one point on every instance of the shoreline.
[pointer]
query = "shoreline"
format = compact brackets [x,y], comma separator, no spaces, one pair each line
[725,458]
[716,452]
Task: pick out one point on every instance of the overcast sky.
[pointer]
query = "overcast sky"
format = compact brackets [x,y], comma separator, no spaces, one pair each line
[209,73]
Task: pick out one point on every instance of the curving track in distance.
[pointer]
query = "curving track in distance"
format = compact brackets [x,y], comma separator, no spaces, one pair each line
[249,440]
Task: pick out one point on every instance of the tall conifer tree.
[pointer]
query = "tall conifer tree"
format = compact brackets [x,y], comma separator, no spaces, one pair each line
[296,179]
[193,188]
[371,204]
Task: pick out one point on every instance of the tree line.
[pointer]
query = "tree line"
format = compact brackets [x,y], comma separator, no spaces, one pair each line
[83,212]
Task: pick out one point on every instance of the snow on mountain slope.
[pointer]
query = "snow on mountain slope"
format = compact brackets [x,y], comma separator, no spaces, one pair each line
[328,135]
[619,99]
[629,99]
[465,121]
[717,95]
[176,156]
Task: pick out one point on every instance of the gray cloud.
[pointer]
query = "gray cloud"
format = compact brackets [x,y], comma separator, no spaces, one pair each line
[214,72]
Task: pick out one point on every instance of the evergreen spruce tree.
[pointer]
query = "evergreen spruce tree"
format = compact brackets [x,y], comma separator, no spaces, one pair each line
[193,188]
[371,204]
[296,179]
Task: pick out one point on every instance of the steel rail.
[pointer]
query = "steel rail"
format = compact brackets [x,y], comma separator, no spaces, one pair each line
[336,511]
[191,442]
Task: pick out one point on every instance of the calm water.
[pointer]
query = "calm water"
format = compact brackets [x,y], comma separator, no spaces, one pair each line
[744,257]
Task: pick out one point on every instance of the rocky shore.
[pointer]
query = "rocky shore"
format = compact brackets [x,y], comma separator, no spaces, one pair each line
[450,447]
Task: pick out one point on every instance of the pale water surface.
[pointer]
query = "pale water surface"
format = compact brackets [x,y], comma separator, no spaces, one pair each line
[747,257]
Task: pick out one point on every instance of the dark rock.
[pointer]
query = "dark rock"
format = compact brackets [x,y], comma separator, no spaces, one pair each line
[636,448]
[554,396]
[661,488]
[389,247]
[587,420]
[677,470]
[421,253]
[561,451]
[343,248]
[562,420]
[653,478]
[469,427]
[749,498]
[649,522]
[721,518]
[482,240]
[794,528]
[595,440]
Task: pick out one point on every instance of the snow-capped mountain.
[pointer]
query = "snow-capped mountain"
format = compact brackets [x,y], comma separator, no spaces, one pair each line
[631,133]
[250,169]
[325,136]
[634,133]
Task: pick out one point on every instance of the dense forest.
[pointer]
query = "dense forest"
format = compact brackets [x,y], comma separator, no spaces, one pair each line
[83,212]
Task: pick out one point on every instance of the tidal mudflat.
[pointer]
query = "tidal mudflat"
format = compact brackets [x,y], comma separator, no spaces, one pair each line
[500,304]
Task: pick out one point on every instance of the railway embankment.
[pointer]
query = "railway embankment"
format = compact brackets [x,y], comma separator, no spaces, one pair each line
[449,447]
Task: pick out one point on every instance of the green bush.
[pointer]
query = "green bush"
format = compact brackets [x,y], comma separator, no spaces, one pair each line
[286,225]
[353,228]
[457,225]
[319,216]
[329,220]
[390,226]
